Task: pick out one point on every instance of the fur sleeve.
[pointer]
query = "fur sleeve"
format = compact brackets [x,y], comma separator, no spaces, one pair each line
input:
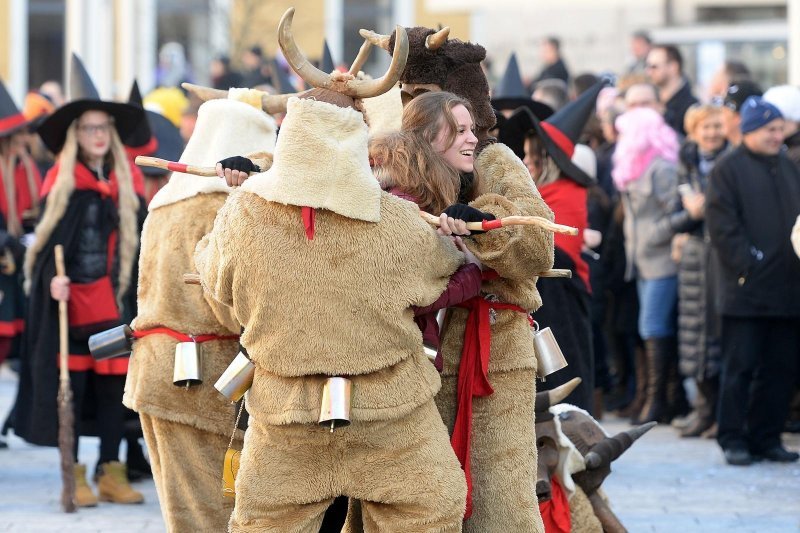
[504,189]
[432,259]
[214,255]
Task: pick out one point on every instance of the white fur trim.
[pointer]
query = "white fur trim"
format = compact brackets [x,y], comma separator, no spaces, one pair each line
[384,112]
[224,128]
[321,161]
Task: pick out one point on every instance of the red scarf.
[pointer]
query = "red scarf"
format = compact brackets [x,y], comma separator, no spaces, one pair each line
[84,181]
[473,379]
[555,511]
[25,196]
[567,199]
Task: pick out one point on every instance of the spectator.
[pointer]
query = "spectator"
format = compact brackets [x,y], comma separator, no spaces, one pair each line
[173,68]
[554,66]
[698,325]
[645,172]
[665,69]
[582,83]
[731,72]
[787,99]
[253,64]
[642,95]
[734,98]
[753,201]
[552,92]
[222,76]
[641,43]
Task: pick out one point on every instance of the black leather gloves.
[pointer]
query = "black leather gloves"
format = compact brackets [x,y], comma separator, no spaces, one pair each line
[240,163]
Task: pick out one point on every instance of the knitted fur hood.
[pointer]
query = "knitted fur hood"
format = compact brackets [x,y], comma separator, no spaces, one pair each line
[321,161]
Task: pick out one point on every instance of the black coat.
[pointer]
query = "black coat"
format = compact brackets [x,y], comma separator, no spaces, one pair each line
[676,108]
[752,203]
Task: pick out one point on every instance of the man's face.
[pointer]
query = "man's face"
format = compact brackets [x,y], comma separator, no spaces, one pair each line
[639,48]
[659,69]
[548,52]
[766,140]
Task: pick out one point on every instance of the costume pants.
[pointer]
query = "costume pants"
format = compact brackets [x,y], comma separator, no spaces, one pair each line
[404,472]
[187,468]
[503,453]
[760,362]
[110,413]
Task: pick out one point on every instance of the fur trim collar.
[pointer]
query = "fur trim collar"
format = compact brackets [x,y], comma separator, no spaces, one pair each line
[570,459]
[224,128]
[321,161]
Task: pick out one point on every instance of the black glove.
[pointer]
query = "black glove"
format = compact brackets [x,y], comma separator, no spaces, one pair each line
[240,163]
[467,213]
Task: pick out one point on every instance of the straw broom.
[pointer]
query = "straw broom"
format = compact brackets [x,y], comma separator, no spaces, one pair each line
[66,414]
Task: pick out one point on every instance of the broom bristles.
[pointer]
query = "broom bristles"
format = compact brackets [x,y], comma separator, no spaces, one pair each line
[66,443]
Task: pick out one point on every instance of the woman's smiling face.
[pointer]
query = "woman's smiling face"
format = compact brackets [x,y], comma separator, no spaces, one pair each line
[460,154]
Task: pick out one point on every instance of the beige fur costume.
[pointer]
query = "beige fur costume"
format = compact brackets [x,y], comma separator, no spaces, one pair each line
[187,430]
[503,443]
[337,304]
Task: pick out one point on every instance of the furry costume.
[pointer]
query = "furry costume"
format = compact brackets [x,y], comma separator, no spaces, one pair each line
[334,301]
[187,429]
[503,447]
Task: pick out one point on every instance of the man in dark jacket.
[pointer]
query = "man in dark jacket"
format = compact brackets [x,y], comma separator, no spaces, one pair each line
[752,202]
[554,66]
[665,70]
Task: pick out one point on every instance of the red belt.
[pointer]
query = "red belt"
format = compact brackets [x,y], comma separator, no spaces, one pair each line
[472,378]
[182,337]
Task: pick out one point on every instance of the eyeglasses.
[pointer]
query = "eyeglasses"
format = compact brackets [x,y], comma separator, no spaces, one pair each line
[651,66]
[93,129]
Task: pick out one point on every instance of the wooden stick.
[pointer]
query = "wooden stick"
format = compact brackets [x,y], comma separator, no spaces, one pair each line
[191,279]
[66,413]
[155,162]
[508,221]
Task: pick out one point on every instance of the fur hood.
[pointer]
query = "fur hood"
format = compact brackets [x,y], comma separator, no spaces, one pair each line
[384,113]
[321,161]
[224,128]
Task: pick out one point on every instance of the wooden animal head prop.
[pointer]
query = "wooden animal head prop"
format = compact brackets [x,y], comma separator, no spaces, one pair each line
[437,63]
[547,437]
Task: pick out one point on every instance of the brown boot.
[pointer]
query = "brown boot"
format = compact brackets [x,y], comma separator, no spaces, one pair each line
[84,497]
[113,486]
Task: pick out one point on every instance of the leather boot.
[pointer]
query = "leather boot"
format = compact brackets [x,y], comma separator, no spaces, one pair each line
[658,358]
[84,497]
[705,408]
[678,404]
[635,407]
[113,485]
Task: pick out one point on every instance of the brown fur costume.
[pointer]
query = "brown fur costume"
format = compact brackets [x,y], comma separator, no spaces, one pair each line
[336,304]
[582,514]
[503,445]
[187,429]
[454,67]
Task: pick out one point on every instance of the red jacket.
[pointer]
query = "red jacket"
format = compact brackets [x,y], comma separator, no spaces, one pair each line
[464,284]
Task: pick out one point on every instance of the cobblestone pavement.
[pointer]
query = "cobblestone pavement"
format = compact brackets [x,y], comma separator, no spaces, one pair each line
[662,484]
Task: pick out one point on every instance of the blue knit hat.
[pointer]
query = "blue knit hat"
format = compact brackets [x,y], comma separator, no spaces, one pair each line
[756,113]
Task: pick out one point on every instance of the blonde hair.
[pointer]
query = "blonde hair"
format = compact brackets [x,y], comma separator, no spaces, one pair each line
[58,200]
[404,160]
[697,114]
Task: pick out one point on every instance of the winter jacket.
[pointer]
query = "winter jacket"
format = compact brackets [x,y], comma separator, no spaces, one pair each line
[649,204]
[676,107]
[751,206]
[793,148]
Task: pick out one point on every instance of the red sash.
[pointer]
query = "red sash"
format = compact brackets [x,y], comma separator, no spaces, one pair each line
[182,337]
[555,511]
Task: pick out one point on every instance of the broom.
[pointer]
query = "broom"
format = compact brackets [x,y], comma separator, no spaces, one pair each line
[66,414]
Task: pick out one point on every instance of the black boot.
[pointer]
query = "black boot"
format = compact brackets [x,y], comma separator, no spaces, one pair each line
[655,407]
[677,403]
[634,409]
[137,465]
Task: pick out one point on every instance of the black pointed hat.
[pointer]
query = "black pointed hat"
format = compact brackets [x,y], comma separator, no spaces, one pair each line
[142,136]
[511,93]
[571,119]
[84,97]
[327,64]
[11,118]
[281,79]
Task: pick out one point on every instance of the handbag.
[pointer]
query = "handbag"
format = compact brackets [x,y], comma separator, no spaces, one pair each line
[92,307]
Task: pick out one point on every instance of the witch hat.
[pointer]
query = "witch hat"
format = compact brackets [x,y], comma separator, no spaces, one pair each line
[156,136]
[511,93]
[326,65]
[560,132]
[11,118]
[281,79]
[84,97]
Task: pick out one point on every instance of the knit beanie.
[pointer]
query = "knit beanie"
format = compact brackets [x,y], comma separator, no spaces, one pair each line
[757,113]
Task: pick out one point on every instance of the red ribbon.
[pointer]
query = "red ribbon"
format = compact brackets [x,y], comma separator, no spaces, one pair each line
[555,511]
[309,214]
[12,121]
[182,337]
[473,380]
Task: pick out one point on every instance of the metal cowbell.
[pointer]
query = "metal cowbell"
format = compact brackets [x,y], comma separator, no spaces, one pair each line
[548,353]
[187,370]
[237,378]
[335,408]
[114,342]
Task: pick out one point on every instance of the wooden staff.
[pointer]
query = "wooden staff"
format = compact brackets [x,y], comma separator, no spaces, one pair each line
[487,225]
[66,414]
[174,166]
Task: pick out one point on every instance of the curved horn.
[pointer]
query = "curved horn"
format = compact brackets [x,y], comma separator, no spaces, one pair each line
[311,74]
[361,58]
[435,40]
[205,93]
[370,88]
[378,39]
[548,398]
[610,448]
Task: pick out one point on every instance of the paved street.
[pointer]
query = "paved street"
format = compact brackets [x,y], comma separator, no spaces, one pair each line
[662,484]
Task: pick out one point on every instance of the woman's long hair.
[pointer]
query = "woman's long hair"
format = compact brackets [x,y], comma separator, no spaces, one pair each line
[643,136]
[423,118]
[409,163]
